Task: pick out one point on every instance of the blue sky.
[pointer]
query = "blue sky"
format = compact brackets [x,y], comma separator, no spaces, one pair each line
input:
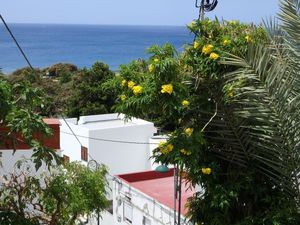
[131,12]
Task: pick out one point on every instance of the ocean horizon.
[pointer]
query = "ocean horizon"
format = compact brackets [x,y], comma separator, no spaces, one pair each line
[84,44]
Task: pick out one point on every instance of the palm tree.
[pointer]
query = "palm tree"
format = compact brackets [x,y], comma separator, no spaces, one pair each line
[265,131]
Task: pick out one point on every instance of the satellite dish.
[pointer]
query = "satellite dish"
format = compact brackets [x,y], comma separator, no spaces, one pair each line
[93,165]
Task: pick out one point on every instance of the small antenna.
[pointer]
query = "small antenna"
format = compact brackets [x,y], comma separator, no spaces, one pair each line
[205,6]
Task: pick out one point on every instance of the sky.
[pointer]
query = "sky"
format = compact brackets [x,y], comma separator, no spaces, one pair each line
[130,12]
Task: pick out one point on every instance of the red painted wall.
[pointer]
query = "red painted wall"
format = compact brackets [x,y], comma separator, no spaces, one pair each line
[52,141]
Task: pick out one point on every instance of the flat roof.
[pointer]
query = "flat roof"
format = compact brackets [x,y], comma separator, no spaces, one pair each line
[159,186]
[106,121]
[106,124]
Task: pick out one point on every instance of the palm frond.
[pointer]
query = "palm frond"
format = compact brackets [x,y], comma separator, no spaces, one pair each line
[266,100]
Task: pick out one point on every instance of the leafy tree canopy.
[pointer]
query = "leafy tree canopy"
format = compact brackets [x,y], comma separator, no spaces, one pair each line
[56,196]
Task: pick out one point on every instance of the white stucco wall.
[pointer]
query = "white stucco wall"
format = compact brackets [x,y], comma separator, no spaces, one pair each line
[122,157]
[68,142]
[118,156]
[8,159]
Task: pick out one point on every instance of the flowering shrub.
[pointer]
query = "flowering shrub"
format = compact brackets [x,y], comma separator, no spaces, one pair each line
[188,97]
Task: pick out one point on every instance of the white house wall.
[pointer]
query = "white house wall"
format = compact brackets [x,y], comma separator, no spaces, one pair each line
[142,206]
[122,157]
[69,143]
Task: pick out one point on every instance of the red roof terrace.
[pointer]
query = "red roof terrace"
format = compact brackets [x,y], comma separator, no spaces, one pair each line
[159,186]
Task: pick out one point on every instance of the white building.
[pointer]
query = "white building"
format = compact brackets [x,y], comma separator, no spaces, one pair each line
[147,198]
[8,157]
[109,139]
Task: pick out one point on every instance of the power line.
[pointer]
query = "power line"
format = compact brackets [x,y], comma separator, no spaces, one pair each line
[27,60]
[110,140]
[16,42]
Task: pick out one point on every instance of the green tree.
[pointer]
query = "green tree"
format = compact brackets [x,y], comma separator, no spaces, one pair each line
[21,107]
[56,197]
[88,96]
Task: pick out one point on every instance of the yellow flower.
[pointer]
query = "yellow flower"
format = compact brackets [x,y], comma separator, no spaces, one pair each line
[185,152]
[185,103]
[165,149]
[131,84]
[248,39]
[151,68]
[214,56]
[230,92]
[207,49]
[137,90]
[196,44]
[188,131]
[232,22]
[170,147]
[156,60]
[167,88]
[124,82]
[226,42]
[162,143]
[206,170]
[123,97]
[192,24]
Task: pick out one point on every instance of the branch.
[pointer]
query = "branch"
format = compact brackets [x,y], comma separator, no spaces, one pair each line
[216,111]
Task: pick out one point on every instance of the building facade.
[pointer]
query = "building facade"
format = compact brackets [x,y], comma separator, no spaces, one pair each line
[11,152]
[147,198]
[109,139]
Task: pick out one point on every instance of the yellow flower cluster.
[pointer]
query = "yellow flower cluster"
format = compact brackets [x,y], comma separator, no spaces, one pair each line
[207,49]
[230,92]
[188,131]
[137,90]
[226,42]
[232,22]
[156,60]
[167,89]
[196,44]
[124,82]
[185,152]
[248,39]
[192,24]
[214,56]
[185,103]
[206,170]
[123,97]
[151,68]
[165,149]
[131,84]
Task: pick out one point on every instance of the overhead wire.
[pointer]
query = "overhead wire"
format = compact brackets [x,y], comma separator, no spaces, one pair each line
[16,42]
[111,140]
[64,119]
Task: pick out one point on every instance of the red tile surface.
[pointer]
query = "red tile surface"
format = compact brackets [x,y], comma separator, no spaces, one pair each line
[158,187]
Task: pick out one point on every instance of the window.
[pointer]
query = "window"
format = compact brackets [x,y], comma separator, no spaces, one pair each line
[66,159]
[146,221]
[127,212]
[110,207]
[84,153]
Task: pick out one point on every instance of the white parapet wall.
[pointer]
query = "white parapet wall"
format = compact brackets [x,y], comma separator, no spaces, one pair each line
[119,144]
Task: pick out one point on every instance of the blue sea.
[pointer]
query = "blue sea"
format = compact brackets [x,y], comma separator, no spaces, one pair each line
[83,45]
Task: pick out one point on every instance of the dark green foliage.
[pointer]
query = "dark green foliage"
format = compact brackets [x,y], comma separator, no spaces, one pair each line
[87,96]
[10,218]
[70,90]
